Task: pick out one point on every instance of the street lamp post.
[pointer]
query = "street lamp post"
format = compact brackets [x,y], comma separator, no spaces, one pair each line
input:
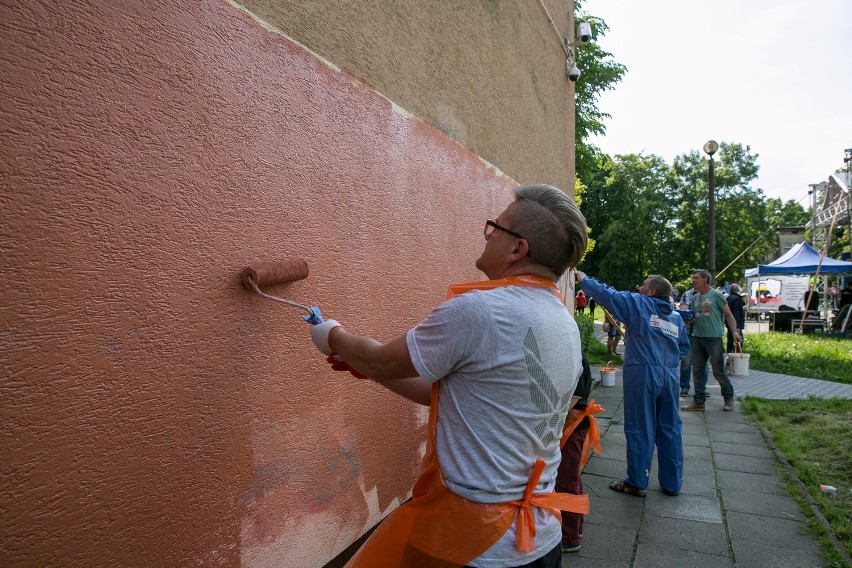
[710,148]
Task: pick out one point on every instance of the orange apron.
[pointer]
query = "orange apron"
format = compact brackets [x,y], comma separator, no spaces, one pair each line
[439,529]
[593,437]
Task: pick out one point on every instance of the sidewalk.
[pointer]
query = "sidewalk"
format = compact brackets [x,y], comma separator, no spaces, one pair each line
[733,510]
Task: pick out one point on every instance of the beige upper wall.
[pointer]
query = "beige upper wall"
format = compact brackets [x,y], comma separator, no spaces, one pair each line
[489,73]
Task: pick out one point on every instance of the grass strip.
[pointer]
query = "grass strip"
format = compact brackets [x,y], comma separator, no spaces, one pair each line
[814,440]
[810,356]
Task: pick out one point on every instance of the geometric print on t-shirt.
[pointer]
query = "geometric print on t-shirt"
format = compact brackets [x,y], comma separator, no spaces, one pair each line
[543,393]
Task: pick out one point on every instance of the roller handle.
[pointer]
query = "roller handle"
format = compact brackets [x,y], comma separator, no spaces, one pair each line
[280,272]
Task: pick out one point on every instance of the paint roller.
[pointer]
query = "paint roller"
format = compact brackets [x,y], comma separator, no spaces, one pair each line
[279,272]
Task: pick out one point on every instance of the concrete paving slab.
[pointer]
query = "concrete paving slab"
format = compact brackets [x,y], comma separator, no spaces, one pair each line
[602,542]
[696,440]
[699,485]
[620,513]
[647,557]
[736,417]
[752,555]
[745,464]
[694,429]
[728,426]
[697,466]
[615,435]
[763,504]
[664,532]
[742,449]
[752,437]
[750,482]
[577,561]
[768,533]
[689,507]
[696,453]
[613,469]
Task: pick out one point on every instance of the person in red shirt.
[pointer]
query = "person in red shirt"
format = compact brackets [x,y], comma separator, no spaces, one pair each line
[581,302]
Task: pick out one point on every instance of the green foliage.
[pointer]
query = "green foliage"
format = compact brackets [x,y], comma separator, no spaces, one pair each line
[634,239]
[811,356]
[651,217]
[579,189]
[587,330]
[595,351]
[598,355]
[742,223]
[789,214]
[813,436]
[600,73]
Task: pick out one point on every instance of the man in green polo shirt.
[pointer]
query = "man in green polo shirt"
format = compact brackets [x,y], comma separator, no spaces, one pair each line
[710,308]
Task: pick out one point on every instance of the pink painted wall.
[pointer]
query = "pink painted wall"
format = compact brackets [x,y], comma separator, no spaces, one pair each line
[155,413]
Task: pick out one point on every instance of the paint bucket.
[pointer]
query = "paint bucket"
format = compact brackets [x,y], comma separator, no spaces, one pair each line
[739,364]
[608,375]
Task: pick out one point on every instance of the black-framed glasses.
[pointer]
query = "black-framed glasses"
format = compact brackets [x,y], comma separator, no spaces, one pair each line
[491,225]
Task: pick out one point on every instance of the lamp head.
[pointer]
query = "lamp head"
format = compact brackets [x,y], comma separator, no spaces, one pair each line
[711,147]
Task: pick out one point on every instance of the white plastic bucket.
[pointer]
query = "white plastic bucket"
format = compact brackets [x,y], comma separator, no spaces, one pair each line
[739,364]
[608,375]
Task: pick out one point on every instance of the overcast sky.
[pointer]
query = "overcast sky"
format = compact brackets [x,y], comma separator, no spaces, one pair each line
[775,75]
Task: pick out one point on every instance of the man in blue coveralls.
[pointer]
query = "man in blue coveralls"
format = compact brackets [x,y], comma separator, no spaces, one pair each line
[657,342]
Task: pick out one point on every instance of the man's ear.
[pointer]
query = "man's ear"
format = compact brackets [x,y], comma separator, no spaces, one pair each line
[519,251]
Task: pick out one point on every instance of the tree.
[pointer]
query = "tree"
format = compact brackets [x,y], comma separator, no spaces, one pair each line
[786,214]
[638,201]
[741,211]
[600,73]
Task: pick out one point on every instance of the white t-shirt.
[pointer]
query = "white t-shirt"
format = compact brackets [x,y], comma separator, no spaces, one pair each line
[509,360]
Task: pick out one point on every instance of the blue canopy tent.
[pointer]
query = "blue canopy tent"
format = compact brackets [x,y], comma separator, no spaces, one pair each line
[804,260]
[801,259]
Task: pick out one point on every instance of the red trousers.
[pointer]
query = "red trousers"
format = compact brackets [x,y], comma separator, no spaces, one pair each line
[568,481]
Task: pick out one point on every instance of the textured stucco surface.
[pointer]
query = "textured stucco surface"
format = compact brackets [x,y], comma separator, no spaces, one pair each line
[489,73]
[155,413]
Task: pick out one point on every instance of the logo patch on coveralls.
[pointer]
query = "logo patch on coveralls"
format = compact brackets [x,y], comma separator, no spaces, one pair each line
[666,327]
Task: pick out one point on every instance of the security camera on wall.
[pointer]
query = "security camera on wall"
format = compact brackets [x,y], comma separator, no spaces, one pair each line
[573,71]
[584,32]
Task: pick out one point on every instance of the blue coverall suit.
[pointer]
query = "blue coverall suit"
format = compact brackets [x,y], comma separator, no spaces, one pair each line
[656,342]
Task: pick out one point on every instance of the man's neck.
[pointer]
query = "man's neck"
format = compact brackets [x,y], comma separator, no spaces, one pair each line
[526,268]
[705,289]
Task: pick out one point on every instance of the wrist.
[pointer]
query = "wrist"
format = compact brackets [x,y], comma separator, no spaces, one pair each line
[320,334]
[332,332]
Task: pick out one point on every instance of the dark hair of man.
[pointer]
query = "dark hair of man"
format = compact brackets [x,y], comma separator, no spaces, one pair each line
[552,225]
[705,275]
[661,286]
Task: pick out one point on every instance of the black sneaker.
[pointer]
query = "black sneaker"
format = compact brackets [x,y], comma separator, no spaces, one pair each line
[684,393]
[569,548]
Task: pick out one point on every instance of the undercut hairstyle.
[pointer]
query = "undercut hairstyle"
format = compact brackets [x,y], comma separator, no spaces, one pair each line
[552,225]
[661,286]
[705,275]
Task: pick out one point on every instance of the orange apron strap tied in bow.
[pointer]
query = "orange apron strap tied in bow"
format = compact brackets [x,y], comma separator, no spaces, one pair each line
[576,416]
